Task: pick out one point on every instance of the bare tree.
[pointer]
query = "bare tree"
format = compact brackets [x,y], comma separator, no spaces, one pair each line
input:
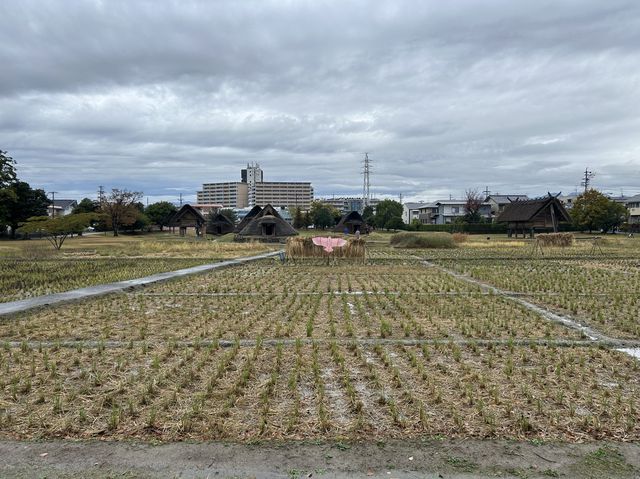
[472,205]
[120,208]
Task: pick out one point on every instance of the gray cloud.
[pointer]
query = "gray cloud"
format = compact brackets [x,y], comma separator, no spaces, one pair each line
[446,96]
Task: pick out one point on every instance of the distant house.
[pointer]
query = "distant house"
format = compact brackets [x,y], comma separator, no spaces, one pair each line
[427,212]
[498,202]
[568,200]
[633,205]
[219,225]
[61,207]
[528,216]
[207,208]
[445,212]
[267,225]
[246,219]
[350,223]
[411,211]
[187,217]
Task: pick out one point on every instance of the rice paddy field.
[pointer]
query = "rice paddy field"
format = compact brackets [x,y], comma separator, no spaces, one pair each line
[487,340]
[32,268]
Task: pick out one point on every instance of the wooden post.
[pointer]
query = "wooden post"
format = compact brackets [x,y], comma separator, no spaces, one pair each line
[553,218]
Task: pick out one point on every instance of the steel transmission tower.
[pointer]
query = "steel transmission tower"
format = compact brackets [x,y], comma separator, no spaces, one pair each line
[588,175]
[366,186]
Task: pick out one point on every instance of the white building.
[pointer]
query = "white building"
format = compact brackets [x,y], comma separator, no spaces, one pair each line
[411,211]
[253,190]
[61,207]
[499,202]
[445,212]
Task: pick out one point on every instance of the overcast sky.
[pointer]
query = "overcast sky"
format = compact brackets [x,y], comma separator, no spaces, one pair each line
[160,96]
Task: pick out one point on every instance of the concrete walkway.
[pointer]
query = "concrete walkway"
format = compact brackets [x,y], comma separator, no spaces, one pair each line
[102,289]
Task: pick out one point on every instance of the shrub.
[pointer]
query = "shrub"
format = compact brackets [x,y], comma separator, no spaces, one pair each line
[422,240]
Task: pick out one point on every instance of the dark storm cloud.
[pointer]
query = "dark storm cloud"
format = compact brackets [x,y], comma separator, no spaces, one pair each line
[446,96]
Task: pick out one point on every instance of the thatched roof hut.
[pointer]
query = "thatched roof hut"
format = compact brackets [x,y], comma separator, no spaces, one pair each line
[248,217]
[267,225]
[350,223]
[187,217]
[543,214]
[219,225]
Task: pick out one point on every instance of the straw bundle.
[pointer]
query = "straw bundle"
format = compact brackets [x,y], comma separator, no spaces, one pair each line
[555,239]
[304,248]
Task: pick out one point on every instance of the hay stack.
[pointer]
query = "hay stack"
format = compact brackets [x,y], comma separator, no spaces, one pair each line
[304,248]
[555,239]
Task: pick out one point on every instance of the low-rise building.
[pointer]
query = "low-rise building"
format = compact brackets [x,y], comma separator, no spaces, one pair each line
[447,211]
[411,211]
[61,207]
[498,202]
[633,205]
[347,204]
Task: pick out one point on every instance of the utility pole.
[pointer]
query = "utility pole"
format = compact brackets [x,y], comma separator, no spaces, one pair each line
[180,200]
[100,194]
[586,179]
[53,203]
[486,192]
[366,184]
[401,198]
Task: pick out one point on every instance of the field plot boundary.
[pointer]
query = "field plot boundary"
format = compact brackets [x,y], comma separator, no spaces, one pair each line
[617,344]
[594,335]
[102,289]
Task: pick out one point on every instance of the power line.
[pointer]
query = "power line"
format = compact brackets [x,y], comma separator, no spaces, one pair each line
[366,185]
[53,203]
[586,179]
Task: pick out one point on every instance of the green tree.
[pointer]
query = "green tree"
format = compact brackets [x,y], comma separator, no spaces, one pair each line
[7,194]
[7,170]
[121,208]
[87,205]
[230,214]
[160,213]
[57,229]
[21,203]
[386,213]
[323,215]
[298,218]
[594,211]
[472,205]
[368,215]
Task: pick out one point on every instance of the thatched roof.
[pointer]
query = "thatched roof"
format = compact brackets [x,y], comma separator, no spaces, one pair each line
[524,211]
[219,224]
[249,216]
[187,216]
[268,223]
[220,219]
[353,218]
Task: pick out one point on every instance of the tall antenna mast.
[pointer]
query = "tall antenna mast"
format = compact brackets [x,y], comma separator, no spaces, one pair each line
[588,175]
[366,186]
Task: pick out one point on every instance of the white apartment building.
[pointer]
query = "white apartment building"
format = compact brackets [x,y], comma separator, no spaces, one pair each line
[253,190]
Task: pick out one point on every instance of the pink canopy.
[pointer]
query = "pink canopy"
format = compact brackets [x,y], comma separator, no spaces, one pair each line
[328,243]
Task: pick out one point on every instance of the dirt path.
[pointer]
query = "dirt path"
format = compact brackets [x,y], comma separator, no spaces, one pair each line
[431,458]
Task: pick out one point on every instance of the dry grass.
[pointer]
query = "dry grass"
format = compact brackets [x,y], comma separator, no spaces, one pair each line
[308,391]
[303,247]
[555,239]
[460,237]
